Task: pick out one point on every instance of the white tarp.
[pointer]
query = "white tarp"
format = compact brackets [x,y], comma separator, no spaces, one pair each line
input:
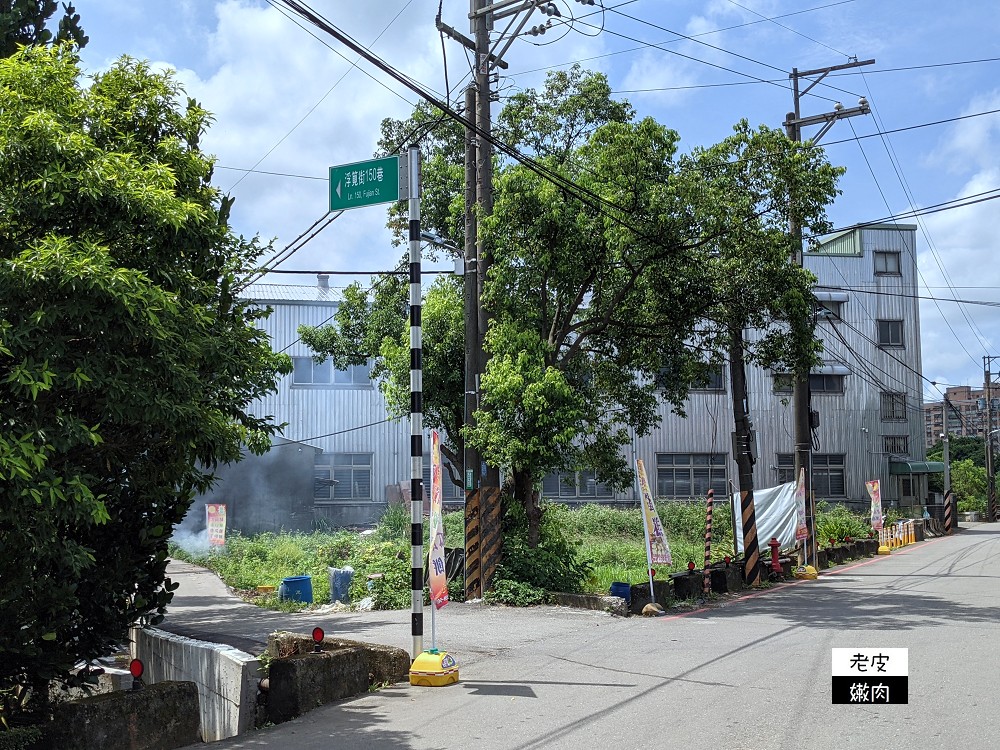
[774,509]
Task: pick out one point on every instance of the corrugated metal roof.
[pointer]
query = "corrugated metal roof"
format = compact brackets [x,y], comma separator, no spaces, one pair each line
[291,293]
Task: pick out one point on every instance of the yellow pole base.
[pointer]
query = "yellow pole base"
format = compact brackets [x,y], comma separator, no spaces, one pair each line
[883,550]
[433,669]
[806,573]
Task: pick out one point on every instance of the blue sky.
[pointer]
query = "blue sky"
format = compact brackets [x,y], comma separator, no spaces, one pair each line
[285,102]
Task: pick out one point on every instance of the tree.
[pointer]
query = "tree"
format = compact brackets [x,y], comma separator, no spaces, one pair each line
[22,23]
[603,300]
[126,362]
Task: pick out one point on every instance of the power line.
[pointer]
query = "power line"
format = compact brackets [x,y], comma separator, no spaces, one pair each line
[788,28]
[643,45]
[856,290]
[336,83]
[827,143]
[910,250]
[721,49]
[775,80]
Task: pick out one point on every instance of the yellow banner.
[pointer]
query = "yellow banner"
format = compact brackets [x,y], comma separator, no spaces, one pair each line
[656,539]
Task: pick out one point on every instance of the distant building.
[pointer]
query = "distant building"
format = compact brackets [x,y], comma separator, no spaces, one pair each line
[867,394]
[962,413]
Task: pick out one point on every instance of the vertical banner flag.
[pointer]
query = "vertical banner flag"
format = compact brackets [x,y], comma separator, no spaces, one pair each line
[876,494]
[216,523]
[801,528]
[438,579]
[656,538]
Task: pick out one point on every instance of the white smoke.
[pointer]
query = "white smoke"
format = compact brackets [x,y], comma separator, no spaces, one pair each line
[195,543]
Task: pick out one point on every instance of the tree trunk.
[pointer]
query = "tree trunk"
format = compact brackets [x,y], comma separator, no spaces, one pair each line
[526,494]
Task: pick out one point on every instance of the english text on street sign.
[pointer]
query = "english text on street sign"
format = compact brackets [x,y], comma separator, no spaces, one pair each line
[367,183]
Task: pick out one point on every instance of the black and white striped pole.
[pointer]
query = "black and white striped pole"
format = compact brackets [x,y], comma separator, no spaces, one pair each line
[416,412]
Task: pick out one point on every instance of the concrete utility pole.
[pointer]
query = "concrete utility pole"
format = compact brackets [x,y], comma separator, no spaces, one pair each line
[794,123]
[473,558]
[483,538]
[744,456]
[991,493]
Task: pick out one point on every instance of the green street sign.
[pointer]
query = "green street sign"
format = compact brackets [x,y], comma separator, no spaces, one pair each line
[367,183]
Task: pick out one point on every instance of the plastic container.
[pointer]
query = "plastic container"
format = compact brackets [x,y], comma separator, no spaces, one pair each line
[624,590]
[296,589]
[340,584]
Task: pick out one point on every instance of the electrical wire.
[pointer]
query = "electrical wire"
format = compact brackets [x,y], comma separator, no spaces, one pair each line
[704,33]
[788,28]
[312,109]
[898,169]
[912,251]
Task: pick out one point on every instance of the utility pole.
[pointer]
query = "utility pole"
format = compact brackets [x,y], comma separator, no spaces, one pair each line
[744,455]
[794,122]
[483,539]
[470,280]
[491,539]
[991,494]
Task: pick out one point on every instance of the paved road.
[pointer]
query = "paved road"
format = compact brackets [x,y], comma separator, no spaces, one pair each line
[755,674]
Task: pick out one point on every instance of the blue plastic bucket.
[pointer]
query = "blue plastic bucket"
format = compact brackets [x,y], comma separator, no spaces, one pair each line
[624,590]
[296,589]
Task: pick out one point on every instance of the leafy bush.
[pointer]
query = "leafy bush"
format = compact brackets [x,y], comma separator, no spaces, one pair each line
[454,528]
[554,565]
[972,505]
[392,589]
[514,593]
[838,522]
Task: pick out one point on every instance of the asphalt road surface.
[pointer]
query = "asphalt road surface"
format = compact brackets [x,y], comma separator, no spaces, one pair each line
[754,674]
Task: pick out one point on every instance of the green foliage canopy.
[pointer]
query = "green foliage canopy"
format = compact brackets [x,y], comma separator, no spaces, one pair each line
[126,362]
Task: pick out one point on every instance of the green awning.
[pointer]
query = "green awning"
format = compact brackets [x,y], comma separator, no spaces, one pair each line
[916,467]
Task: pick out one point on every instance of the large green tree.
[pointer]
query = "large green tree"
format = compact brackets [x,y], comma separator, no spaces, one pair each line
[22,23]
[126,362]
[606,303]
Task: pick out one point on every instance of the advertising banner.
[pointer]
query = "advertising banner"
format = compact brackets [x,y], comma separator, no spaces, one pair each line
[438,577]
[657,548]
[876,494]
[215,519]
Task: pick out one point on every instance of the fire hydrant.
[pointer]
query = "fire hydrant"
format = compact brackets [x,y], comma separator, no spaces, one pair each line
[774,544]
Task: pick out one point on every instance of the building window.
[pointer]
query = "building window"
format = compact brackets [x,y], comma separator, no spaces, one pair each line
[828,475]
[343,476]
[785,467]
[887,264]
[893,407]
[716,381]
[307,372]
[690,474]
[890,332]
[826,383]
[449,490]
[571,485]
[830,308]
[782,383]
[898,445]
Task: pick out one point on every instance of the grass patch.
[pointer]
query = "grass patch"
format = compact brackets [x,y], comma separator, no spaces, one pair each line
[608,544]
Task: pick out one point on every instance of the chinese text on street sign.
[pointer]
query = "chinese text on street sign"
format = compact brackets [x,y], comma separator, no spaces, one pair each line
[367,183]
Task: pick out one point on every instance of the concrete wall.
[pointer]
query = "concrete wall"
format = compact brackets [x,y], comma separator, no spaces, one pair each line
[227,678]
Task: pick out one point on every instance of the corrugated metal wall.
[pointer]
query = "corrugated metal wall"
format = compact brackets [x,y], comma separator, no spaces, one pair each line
[354,420]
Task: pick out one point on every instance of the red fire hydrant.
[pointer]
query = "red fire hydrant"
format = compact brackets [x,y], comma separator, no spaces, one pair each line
[774,544]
